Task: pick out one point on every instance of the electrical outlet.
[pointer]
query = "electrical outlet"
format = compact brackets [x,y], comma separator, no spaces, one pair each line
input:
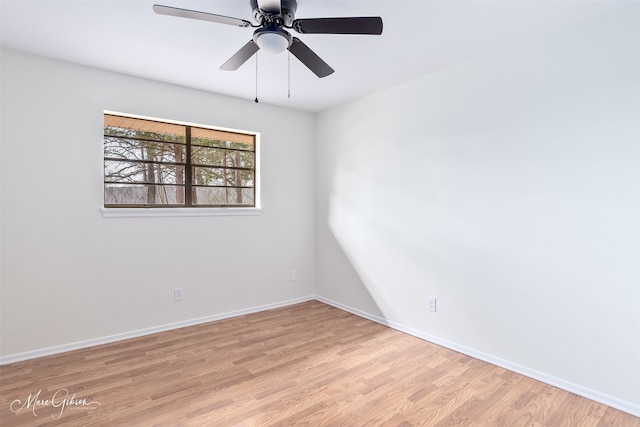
[431,303]
[293,275]
[177,294]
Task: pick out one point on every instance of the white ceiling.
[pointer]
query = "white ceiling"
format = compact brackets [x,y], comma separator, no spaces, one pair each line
[419,37]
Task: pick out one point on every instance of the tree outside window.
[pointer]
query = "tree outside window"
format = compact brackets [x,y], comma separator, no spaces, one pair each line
[149,163]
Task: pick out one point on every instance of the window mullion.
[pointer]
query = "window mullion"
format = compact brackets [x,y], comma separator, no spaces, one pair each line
[188,170]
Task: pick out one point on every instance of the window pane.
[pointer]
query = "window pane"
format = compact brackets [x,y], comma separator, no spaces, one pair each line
[220,157]
[209,176]
[140,128]
[150,173]
[222,139]
[139,194]
[222,196]
[134,149]
[208,156]
[222,177]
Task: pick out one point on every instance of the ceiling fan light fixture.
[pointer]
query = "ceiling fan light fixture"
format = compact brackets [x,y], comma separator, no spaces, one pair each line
[273,40]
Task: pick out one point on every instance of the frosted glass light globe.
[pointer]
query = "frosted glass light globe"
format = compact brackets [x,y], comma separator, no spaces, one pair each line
[273,43]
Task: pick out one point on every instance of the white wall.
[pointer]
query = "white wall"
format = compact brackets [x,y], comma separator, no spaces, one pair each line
[508,188]
[71,275]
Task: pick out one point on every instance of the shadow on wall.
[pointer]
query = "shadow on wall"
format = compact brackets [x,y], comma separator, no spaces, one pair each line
[405,250]
[384,245]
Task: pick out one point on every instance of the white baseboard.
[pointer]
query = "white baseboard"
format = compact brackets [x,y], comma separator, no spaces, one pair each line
[142,332]
[588,393]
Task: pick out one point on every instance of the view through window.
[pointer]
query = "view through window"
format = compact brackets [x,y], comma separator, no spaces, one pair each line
[150,163]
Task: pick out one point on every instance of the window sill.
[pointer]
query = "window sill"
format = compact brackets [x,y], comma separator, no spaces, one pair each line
[177,212]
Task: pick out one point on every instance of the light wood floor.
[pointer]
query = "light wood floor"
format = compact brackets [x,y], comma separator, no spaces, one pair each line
[308,364]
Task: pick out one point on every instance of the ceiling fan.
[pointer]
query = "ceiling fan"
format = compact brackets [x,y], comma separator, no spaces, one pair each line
[273,16]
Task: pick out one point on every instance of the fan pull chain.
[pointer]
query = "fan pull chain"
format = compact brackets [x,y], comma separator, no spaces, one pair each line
[256,77]
[288,74]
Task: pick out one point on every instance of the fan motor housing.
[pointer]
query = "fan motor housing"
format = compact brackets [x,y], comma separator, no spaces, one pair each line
[288,12]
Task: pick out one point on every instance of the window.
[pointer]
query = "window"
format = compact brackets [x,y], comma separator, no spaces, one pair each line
[150,163]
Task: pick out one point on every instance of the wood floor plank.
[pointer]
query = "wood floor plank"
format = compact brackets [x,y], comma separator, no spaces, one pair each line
[306,364]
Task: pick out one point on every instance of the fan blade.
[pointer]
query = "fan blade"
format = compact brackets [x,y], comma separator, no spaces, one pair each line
[309,58]
[203,16]
[366,25]
[240,57]
[270,6]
